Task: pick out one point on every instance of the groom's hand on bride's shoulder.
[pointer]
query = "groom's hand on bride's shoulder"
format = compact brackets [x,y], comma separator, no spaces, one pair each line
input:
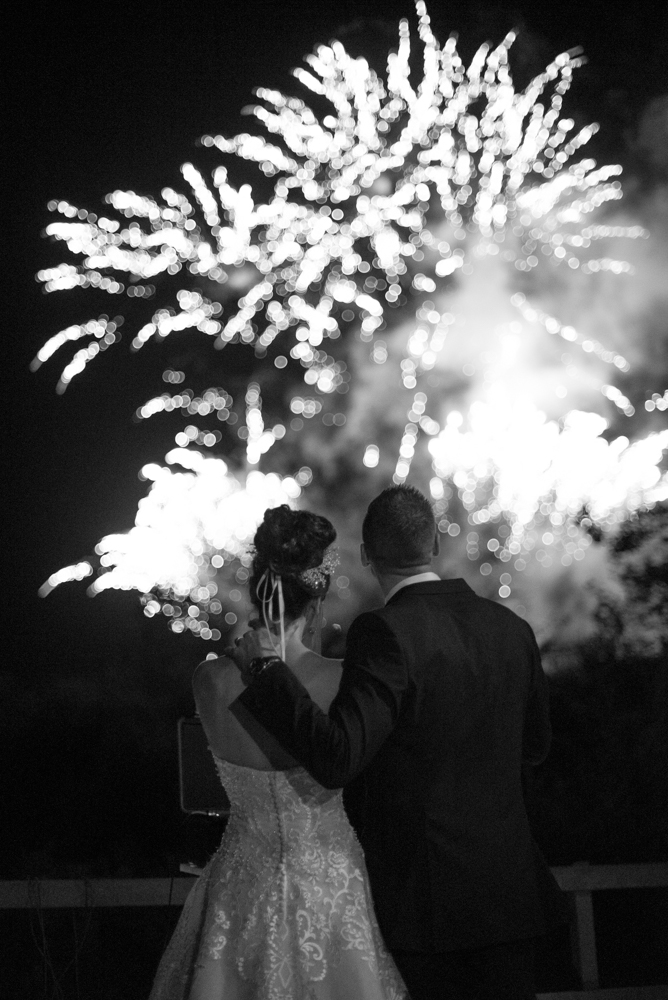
[255,644]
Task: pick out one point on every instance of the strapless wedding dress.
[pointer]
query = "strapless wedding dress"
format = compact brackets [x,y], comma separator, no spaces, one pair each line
[283,910]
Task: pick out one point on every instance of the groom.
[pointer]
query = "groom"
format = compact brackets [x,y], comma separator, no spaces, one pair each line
[441,701]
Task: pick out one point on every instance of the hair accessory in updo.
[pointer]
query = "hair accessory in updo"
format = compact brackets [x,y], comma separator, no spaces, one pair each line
[315,580]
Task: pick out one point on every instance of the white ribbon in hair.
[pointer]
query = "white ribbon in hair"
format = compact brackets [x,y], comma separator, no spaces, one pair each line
[274,584]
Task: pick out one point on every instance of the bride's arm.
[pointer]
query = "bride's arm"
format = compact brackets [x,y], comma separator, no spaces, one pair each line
[334,747]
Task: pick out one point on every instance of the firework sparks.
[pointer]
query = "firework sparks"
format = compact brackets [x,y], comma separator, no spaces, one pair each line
[538,475]
[396,194]
[356,201]
[189,547]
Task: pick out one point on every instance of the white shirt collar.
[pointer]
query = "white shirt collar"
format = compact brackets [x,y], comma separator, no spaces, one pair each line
[418,578]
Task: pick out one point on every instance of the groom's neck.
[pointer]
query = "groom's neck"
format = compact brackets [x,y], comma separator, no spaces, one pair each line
[389,577]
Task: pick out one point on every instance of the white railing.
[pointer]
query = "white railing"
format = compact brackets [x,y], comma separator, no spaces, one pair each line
[580,880]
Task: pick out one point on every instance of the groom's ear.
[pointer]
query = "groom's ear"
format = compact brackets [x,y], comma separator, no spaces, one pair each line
[437,545]
[363,554]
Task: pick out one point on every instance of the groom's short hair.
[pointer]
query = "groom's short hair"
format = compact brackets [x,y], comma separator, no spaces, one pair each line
[399,528]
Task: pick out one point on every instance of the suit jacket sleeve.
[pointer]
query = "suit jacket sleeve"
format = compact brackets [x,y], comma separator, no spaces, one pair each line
[334,747]
[537,734]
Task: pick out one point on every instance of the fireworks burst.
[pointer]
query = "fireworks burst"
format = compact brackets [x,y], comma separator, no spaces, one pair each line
[393,196]
[188,550]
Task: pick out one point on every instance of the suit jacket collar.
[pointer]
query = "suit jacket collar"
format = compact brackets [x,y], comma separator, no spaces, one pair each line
[442,587]
[417,578]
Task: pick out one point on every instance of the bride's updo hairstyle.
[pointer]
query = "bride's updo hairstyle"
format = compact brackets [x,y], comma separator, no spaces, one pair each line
[292,545]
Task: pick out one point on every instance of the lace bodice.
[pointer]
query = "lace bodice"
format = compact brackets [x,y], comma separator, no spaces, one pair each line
[283,910]
[284,818]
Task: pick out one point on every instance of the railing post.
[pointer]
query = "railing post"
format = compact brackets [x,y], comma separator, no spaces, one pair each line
[583,940]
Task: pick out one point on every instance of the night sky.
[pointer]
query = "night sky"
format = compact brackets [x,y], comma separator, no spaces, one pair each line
[116,97]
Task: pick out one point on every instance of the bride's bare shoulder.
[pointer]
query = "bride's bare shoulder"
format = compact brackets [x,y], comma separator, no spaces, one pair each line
[213,674]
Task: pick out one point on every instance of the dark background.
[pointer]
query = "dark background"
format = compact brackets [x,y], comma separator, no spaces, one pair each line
[104,97]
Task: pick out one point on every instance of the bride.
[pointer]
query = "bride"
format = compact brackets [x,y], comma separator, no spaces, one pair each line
[283,909]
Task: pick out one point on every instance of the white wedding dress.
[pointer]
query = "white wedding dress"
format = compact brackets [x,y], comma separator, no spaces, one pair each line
[283,910]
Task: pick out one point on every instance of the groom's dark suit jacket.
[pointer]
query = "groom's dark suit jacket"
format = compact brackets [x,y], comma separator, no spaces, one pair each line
[441,700]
